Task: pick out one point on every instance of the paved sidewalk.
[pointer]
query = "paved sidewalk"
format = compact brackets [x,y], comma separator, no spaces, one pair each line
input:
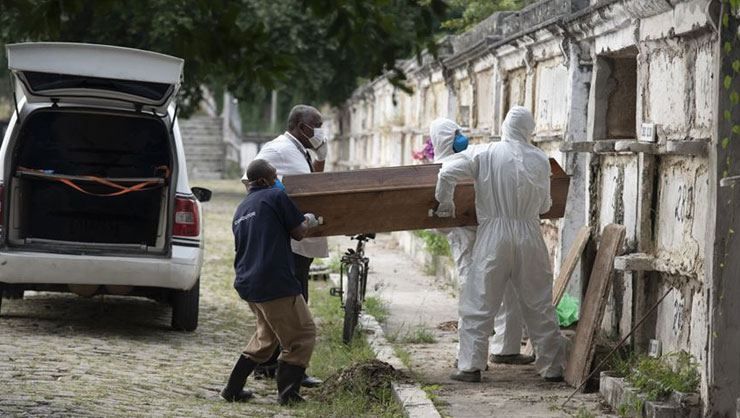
[416,302]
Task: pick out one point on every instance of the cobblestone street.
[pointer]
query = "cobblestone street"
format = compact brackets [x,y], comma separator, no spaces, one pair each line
[61,354]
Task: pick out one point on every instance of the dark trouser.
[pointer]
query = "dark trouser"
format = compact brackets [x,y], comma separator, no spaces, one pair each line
[302,267]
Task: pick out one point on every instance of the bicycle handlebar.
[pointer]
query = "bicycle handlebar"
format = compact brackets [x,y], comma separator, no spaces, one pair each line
[364,237]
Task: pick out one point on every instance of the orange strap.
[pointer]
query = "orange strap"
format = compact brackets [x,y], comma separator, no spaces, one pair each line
[145,185]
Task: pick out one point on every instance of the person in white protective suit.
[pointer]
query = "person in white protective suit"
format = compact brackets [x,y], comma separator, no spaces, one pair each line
[512,188]
[505,346]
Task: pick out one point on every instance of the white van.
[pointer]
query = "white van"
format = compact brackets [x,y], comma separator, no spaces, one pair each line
[94,194]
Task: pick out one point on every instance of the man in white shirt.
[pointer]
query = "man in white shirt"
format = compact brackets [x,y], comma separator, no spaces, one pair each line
[289,154]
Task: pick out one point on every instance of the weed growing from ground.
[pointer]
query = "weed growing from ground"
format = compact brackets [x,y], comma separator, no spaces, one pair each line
[584,413]
[658,377]
[632,408]
[435,244]
[331,356]
[418,335]
[403,355]
[376,307]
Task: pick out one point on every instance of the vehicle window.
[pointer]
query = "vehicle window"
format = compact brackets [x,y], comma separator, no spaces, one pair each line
[39,82]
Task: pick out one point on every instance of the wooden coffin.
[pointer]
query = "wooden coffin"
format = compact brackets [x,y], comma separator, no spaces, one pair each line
[392,199]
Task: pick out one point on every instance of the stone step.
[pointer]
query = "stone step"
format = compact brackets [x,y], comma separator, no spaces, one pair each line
[204,147]
[214,164]
[201,121]
[188,136]
[204,141]
[200,128]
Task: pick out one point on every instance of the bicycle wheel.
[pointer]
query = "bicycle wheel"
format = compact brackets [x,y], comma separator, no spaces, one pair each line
[351,303]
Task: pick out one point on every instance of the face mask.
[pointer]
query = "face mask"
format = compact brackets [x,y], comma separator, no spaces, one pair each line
[278,185]
[320,136]
[460,143]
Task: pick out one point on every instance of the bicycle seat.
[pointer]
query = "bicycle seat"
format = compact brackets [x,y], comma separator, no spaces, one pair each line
[364,237]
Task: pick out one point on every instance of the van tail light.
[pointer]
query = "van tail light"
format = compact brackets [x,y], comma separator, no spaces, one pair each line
[187,223]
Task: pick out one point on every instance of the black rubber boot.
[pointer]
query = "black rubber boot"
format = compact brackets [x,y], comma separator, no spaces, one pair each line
[289,378]
[267,369]
[461,376]
[510,359]
[234,390]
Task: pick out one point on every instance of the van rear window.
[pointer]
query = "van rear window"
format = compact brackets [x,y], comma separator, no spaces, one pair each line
[39,82]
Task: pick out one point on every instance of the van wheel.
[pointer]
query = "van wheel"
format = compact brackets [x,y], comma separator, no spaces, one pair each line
[185,308]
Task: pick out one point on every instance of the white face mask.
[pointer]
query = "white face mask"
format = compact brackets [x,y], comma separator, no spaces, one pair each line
[320,136]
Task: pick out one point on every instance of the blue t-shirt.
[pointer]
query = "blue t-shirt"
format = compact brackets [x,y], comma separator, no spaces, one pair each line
[264,260]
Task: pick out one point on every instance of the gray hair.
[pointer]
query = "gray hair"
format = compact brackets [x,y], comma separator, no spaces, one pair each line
[302,113]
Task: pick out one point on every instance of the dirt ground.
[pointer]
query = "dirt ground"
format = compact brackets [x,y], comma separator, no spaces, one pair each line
[417,305]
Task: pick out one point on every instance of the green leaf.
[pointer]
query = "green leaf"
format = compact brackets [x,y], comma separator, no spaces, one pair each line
[727,47]
[736,129]
[725,20]
[735,5]
[734,98]
[728,115]
[727,82]
[725,142]
[736,66]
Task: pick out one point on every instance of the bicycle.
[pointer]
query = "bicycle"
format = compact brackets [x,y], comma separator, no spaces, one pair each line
[355,264]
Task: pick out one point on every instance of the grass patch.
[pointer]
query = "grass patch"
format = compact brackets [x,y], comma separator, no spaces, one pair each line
[658,377]
[632,408]
[331,356]
[435,244]
[431,391]
[334,264]
[418,335]
[403,355]
[584,413]
[376,307]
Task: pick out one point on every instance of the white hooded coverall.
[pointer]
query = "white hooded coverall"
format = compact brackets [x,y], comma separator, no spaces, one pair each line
[508,323]
[512,188]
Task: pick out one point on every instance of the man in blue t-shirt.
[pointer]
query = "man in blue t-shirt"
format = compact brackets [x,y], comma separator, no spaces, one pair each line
[263,225]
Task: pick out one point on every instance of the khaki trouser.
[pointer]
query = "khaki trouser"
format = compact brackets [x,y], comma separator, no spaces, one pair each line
[285,321]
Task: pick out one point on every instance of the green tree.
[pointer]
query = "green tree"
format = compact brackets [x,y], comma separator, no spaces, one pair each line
[316,49]
[465,14]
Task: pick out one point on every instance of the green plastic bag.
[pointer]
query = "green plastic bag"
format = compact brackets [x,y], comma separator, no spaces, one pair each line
[567,310]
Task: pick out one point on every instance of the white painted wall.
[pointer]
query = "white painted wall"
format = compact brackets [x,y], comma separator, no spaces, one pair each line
[676,90]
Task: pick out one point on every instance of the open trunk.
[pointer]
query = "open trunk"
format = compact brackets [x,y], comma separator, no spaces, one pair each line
[86,181]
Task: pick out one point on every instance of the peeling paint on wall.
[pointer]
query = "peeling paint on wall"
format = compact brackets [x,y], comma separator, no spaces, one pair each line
[566,80]
[682,188]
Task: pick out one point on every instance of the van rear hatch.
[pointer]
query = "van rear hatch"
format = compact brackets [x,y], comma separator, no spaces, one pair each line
[72,72]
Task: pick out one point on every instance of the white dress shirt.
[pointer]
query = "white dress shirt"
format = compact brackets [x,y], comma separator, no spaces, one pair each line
[289,157]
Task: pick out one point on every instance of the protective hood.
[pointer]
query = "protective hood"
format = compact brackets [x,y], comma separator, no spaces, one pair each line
[442,133]
[518,125]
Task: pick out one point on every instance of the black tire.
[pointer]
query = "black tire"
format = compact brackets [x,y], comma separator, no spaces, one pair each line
[351,303]
[2,286]
[13,292]
[185,308]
